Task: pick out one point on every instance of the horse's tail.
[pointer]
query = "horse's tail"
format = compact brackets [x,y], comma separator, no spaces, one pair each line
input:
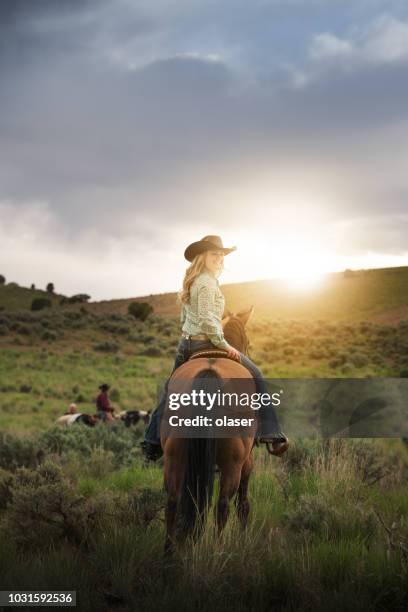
[198,483]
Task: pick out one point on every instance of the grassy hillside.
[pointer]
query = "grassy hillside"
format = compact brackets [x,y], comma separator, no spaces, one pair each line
[51,358]
[14,297]
[79,507]
[380,294]
[368,294]
[352,327]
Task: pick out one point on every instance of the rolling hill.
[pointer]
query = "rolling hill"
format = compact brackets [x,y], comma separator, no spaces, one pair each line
[379,294]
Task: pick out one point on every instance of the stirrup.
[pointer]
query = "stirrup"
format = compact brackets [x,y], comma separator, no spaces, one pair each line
[276,446]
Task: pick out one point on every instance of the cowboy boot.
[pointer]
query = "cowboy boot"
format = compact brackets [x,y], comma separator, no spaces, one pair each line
[280,444]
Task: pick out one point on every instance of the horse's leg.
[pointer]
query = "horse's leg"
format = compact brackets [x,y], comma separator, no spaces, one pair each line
[231,456]
[242,501]
[229,483]
[173,481]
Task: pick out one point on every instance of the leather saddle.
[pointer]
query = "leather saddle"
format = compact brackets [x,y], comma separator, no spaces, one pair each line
[212,353]
[276,447]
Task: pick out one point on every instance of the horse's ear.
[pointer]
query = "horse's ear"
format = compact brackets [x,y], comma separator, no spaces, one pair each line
[245,315]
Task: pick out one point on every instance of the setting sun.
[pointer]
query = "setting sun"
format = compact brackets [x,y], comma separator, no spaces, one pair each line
[303,281]
[301,264]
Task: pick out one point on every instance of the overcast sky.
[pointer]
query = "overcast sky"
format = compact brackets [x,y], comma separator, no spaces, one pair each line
[130,128]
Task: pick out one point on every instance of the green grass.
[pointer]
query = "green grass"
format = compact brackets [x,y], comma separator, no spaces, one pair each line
[122,481]
[15,297]
[290,558]
[314,540]
[39,377]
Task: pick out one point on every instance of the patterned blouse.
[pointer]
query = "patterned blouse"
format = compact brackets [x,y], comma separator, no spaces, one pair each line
[203,313]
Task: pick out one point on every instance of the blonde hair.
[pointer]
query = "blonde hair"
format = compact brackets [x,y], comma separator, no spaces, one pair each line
[194,270]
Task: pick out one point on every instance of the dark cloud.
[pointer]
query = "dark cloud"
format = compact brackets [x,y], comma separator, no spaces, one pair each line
[12,11]
[129,118]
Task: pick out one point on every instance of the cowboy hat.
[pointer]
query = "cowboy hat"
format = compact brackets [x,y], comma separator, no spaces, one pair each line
[207,243]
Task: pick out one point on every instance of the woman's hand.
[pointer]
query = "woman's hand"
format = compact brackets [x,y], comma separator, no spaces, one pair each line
[233,353]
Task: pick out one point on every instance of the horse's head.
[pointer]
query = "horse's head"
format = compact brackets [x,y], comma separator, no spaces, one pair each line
[234,329]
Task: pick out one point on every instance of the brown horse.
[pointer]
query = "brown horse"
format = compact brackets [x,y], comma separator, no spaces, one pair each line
[189,463]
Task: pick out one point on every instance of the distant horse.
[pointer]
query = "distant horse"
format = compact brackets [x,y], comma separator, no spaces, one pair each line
[189,463]
[73,419]
[132,417]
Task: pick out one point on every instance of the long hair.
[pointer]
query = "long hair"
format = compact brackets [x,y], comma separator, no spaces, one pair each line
[193,270]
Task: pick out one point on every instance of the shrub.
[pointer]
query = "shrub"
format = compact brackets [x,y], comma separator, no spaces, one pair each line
[4,330]
[72,316]
[115,328]
[25,388]
[106,347]
[79,298]
[140,310]
[6,481]
[152,351]
[101,462]
[40,304]
[18,452]
[358,360]
[311,513]
[317,354]
[145,505]
[132,337]
[118,439]
[371,466]
[49,334]
[50,288]
[45,509]
[2,279]
[115,316]
[303,453]
[321,514]
[146,338]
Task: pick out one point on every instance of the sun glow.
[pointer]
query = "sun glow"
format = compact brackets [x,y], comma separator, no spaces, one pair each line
[303,281]
[300,264]
[301,270]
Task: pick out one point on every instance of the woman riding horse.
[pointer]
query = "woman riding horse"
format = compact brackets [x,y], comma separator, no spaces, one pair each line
[201,317]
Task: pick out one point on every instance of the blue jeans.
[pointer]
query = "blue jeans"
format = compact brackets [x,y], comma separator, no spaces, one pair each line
[267,414]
